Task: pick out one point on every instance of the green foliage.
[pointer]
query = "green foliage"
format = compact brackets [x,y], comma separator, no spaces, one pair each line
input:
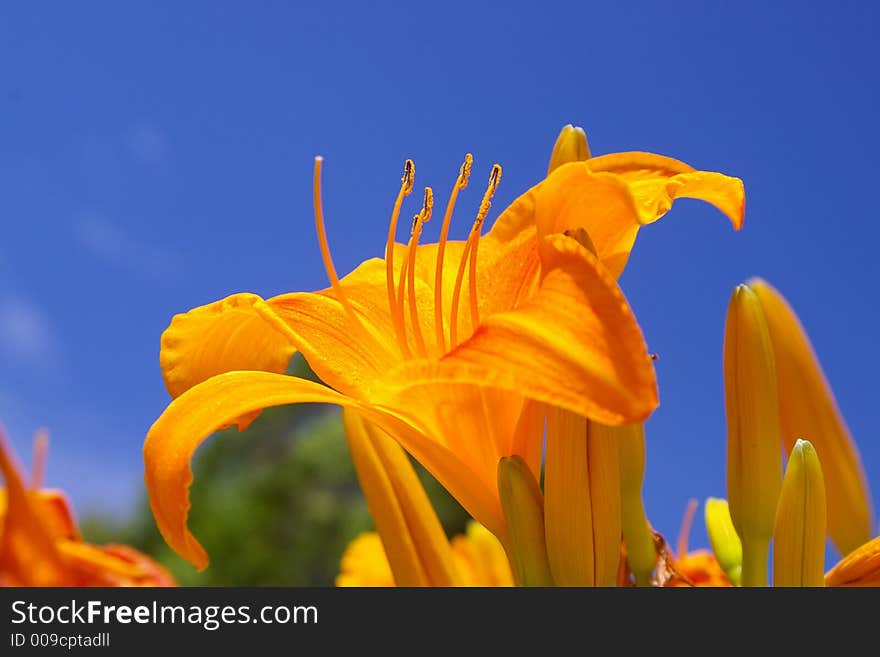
[274,505]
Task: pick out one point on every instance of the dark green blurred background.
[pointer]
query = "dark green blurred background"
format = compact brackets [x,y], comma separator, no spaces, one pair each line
[276,504]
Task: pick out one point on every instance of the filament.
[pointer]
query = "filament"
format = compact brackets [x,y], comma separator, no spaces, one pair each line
[41,449]
[406,185]
[485,204]
[412,249]
[461,182]
[685,531]
[469,256]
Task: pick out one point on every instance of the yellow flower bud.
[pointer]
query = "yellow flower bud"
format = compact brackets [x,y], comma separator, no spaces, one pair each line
[754,460]
[571,146]
[799,536]
[523,506]
[724,539]
[582,500]
[641,555]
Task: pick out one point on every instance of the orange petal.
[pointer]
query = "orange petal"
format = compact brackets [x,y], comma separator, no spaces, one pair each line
[701,569]
[478,425]
[574,344]
[656,181]
[808,410]
[57,515]
[573,197]
[612,196]
[219,402]
[861,567]
[240,332]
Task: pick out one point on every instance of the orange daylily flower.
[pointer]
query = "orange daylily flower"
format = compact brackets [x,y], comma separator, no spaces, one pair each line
[450,348]
[40,544]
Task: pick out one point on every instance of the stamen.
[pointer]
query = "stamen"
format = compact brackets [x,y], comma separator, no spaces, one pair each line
[325,249]
[485,204]
[685,531]
[469,256]
[456,294]
[464,174]
[406,185]
[41,449]
[412,249]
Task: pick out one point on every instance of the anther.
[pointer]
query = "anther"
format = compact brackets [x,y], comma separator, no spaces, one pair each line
[464,173]
[409,176]
[486,203]
[428,205]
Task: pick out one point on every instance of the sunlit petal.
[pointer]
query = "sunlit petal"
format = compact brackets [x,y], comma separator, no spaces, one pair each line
[573,344]
[240,332]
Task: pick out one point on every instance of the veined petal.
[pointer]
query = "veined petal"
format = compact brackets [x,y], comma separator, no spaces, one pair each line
[345,356]
[808,410]
[240,332]
[476,424]
[572,198]
[574,344]
[612,196]
[417,548]
[861,567]
[656,181]
[219,402]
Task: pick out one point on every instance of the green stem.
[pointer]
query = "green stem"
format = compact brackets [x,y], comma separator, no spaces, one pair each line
[754,563]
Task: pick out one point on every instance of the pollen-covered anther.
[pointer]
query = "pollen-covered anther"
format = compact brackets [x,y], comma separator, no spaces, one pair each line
[409,177]
[464,173]
[486,203]
[428,205]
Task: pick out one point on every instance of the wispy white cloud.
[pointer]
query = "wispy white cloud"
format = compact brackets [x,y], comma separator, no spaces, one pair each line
[108,240]
[148,144]
[26,334]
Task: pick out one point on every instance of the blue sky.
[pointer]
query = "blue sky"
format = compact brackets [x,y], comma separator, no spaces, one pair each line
[158,157]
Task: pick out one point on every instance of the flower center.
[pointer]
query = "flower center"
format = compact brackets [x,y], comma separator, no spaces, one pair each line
[403,293]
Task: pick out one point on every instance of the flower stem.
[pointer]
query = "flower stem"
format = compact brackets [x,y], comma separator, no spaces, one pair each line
[754,563]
